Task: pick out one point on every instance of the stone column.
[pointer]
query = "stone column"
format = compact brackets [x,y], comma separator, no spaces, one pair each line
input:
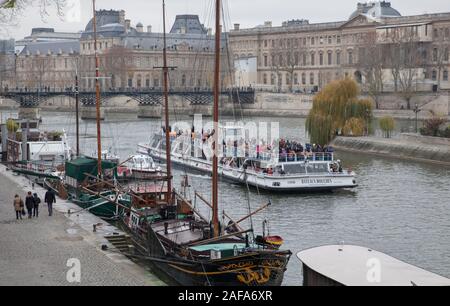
[90,113]
[30,113]
[149,111]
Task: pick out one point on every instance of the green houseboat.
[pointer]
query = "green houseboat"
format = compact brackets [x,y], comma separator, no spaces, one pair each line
[80,173]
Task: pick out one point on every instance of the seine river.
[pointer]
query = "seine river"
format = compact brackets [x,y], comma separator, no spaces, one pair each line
[400,207]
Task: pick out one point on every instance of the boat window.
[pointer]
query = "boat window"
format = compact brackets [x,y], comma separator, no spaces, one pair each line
[156,140]
[317,168]
[294,168]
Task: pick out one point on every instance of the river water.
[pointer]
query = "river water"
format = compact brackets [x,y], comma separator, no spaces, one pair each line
[400,208]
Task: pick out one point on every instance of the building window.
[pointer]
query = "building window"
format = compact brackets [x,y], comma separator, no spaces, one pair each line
[330,59]
[265,44]
[338,39]
[321,59]
[350,57]
[321,40]
[312,40]
[272,79]
[436,33]
[304,78]
[445,76]
[296,59]
[288,79]
[434,75]
[304,59]
[330,41]
[311,78]
[313,59]
[304,41]
[295,78]
[338,58]
[265,61]
[435,55]
[183,80]
[265,79]
[280,60]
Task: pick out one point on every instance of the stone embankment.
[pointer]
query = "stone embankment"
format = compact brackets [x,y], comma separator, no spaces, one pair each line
[407,146]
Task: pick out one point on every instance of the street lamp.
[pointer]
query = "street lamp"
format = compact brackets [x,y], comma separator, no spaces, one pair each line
[417,111]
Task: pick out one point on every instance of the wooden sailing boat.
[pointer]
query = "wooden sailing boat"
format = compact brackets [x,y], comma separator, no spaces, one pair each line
[186,246]
[88,182]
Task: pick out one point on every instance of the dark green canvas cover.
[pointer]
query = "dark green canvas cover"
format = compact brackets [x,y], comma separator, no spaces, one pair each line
[78,168]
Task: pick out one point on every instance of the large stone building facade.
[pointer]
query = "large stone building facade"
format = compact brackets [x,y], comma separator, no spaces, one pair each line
[377,46]
[381,49]
[130,58]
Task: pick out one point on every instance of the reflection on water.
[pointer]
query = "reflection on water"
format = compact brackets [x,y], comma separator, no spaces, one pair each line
[400,208]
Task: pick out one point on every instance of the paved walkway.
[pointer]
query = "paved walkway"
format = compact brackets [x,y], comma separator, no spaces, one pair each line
[36,251]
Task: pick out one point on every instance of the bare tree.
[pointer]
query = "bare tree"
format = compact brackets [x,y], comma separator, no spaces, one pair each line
[117,63]
[440,53]
[371,65]
[404,58]
[11,10]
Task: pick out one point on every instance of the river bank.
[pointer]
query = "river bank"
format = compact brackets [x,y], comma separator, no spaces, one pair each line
[42,251]
[406,146]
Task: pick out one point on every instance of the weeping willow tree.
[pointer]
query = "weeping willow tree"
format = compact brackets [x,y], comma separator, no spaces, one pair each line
[337,109]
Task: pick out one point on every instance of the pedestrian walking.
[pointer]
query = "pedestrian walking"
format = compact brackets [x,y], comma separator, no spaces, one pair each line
[29,203]
[50,198]
[37,201]
[18,206]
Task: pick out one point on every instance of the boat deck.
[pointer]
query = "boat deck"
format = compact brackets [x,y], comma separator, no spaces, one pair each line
[178,231]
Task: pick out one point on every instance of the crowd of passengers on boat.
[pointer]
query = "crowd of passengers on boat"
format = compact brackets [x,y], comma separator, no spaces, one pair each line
[288,150]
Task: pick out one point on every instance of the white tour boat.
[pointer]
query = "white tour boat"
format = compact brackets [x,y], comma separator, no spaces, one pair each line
[264,170]
[140,167]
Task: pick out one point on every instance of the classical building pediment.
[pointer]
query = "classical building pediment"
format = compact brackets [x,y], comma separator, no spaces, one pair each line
[359,21]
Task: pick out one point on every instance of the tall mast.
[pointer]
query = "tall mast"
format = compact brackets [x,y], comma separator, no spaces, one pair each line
[166,108]
[215,191]
[97,97]
[77,102]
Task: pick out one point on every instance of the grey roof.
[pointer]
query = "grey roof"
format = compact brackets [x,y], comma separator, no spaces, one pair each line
[55,47]
[380,9]
[189,24]
[350,265]
[104,17]
[7,46]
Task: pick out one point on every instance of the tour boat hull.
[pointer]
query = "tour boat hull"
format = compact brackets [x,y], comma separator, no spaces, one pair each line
[272,183]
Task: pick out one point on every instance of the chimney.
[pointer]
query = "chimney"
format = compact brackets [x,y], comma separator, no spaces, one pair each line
[209,32]
[122,17]
[237,26]
[149,29]
[268,24]
[140,27]
[127,24]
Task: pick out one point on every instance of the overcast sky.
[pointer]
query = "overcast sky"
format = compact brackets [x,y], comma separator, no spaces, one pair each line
[248,13]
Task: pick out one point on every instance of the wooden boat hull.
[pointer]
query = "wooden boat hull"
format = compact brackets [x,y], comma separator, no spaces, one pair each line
[257,268]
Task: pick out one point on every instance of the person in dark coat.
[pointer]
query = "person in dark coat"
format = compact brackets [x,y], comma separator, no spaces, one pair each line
[37,201]
[50,198]
[29,204]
